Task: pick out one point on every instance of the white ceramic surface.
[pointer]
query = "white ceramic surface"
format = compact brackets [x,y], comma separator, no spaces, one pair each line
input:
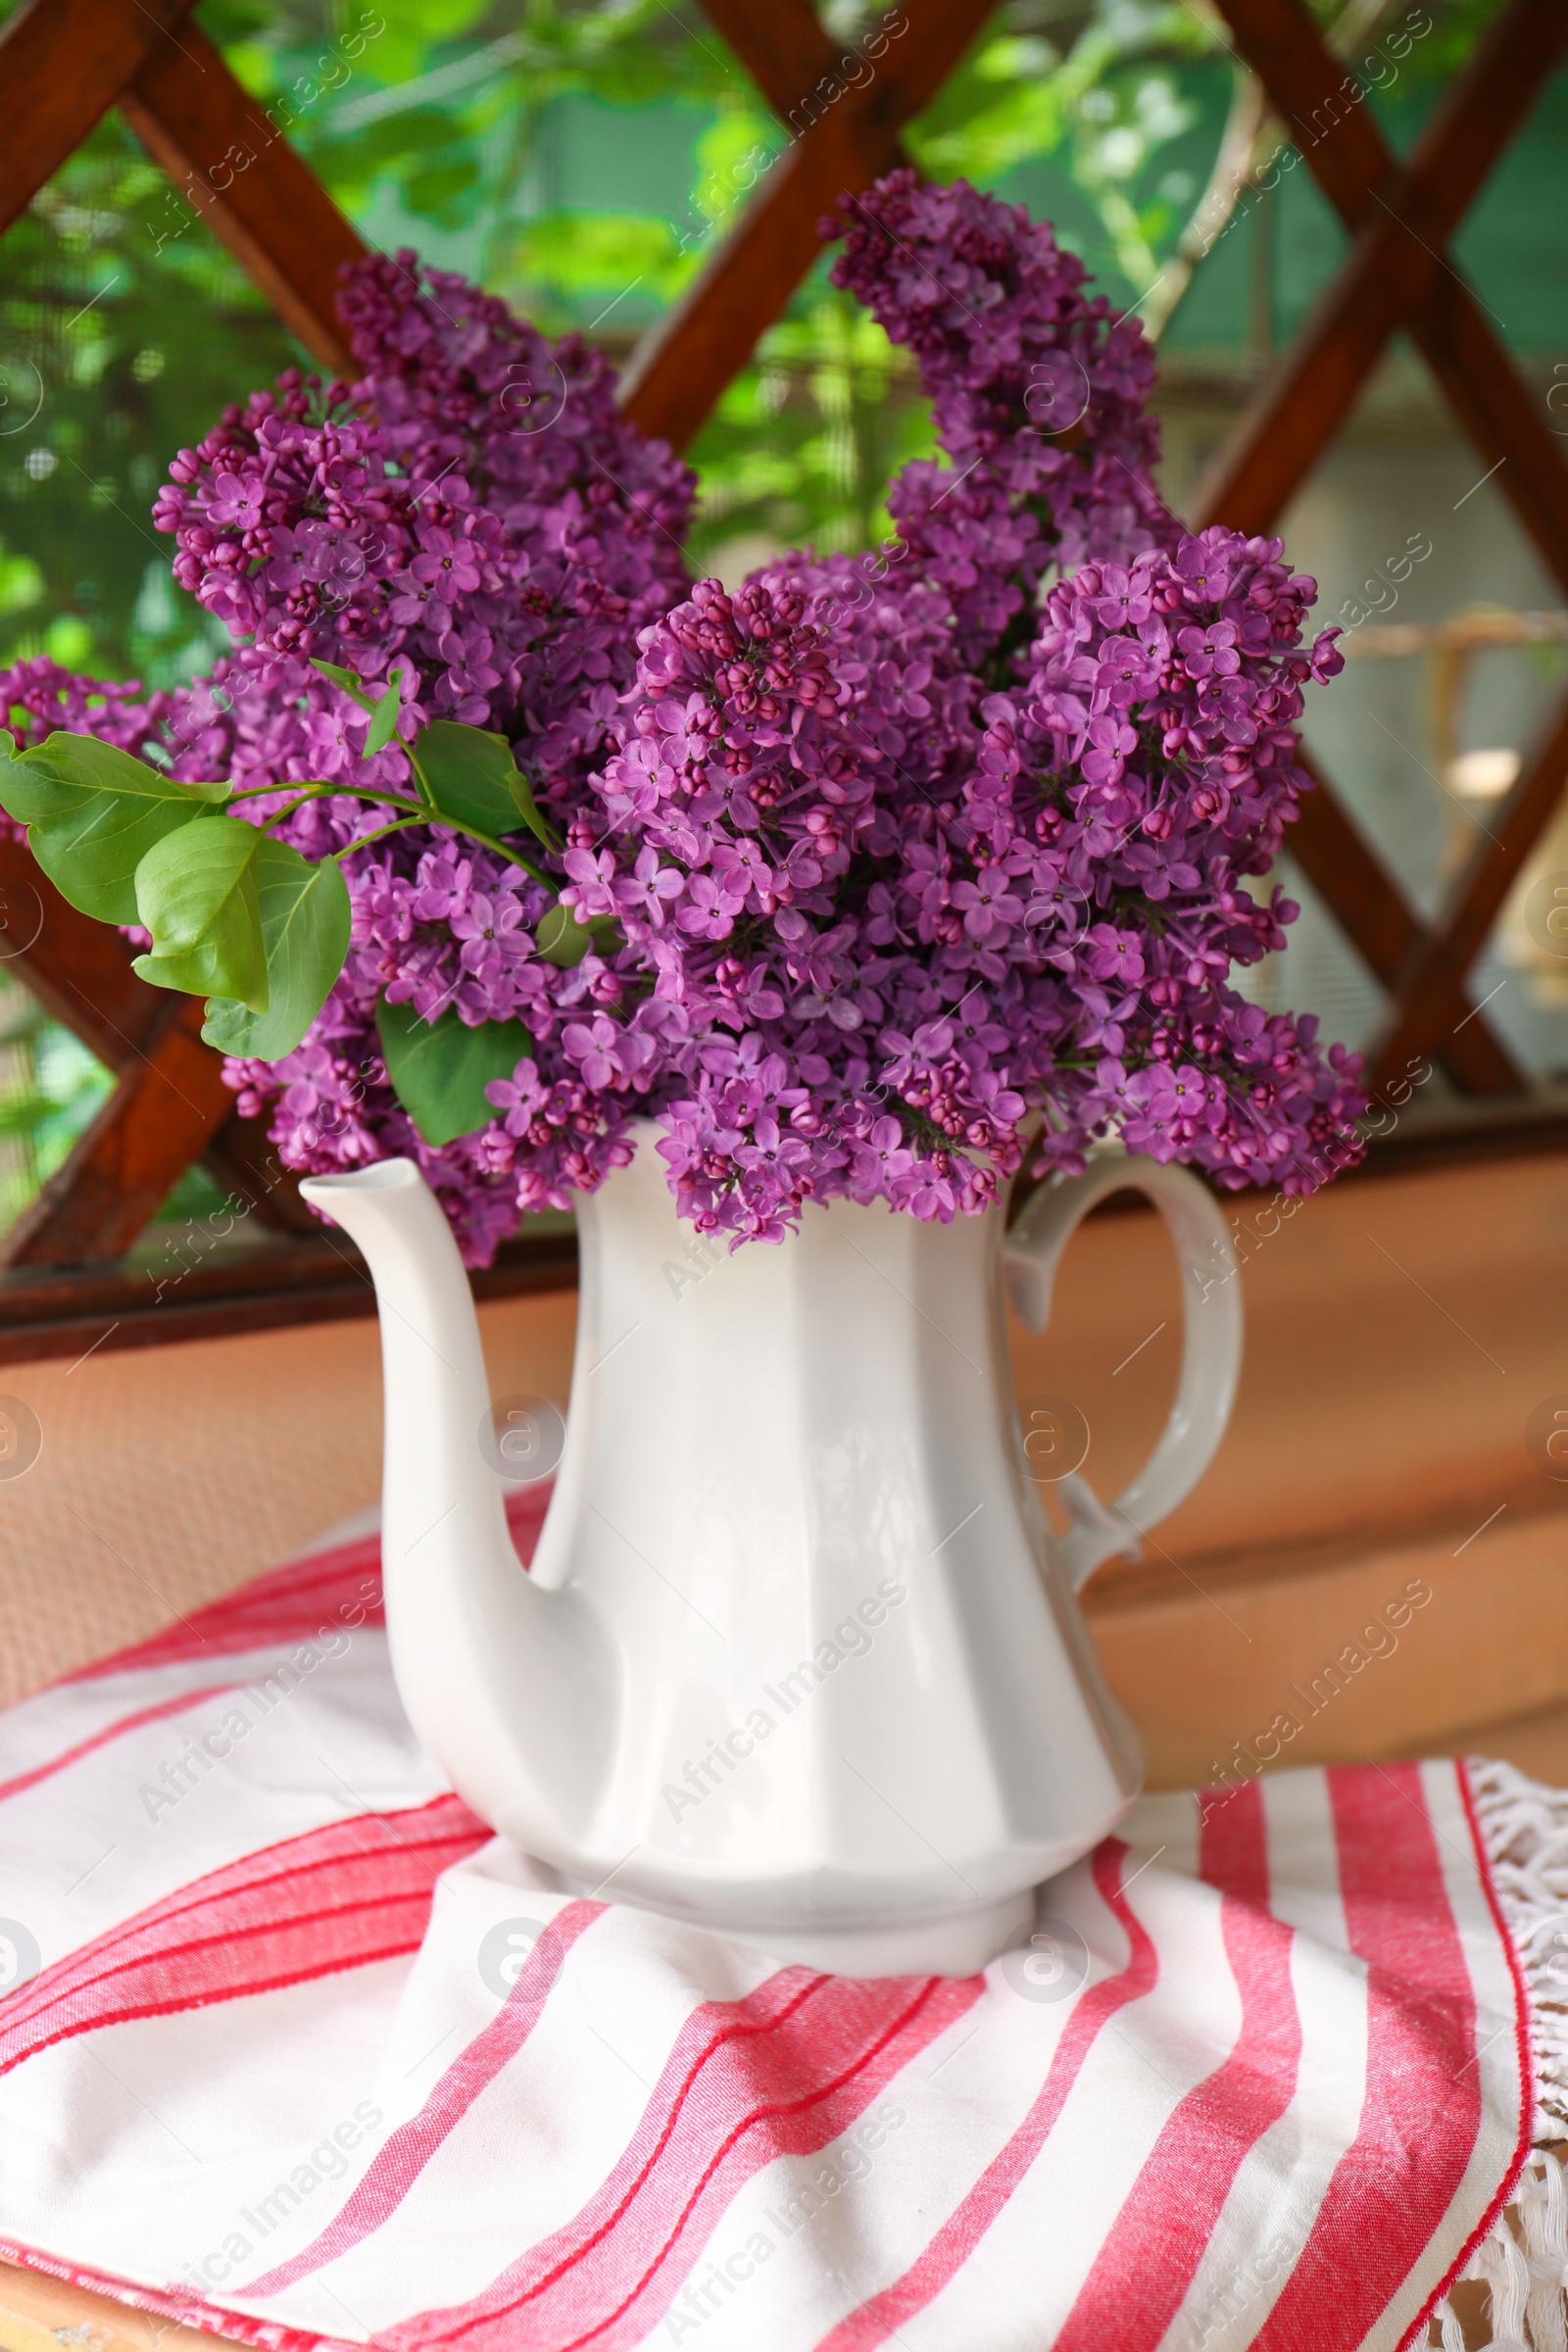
[798,1658]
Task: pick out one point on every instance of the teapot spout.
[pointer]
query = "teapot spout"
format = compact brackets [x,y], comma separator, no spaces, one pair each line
[511,1686]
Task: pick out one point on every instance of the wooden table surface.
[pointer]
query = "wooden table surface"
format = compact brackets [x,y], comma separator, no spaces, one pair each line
[45,2314]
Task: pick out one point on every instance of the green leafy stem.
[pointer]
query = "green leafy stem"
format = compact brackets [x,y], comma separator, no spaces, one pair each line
[261,932]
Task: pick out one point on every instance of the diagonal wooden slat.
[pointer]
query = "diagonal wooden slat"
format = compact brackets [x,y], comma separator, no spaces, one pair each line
[239,171]
[679,370]
[1354,885]
[1431,987]
[1398,274]
[62,64]
[710,335]
[78,969]
[1403,217]
[77,58]
[1506,425]
[784,48]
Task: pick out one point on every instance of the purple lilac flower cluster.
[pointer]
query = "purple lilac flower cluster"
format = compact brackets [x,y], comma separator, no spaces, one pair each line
[903,914]
[1038,398]
[920,865]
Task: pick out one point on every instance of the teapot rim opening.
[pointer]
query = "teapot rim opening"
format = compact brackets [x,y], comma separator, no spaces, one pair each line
[380,1176]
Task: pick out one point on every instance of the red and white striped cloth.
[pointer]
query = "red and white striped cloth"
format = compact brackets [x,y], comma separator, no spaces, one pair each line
[261,2068]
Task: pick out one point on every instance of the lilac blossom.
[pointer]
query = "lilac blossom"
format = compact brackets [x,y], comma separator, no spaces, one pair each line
[1038,397]
[927,867]
[986,936]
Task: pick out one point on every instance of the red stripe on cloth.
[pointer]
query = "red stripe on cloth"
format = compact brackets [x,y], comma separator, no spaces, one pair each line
[335,1592]
[399,2163]
[526,1516]
[338,1897]
[1526,2136]
[113,1731]
[882,2315]
[1422,2109]
[1144,2269]
[327,1592]
[780,2072]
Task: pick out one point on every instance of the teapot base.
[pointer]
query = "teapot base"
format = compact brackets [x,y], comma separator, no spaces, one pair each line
[960,1946]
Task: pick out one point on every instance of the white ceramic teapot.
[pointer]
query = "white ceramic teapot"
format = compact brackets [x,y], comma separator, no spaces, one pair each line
[798,1659]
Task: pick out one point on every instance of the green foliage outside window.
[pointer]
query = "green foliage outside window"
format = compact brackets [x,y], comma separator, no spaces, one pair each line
[50,1087]
[581,160]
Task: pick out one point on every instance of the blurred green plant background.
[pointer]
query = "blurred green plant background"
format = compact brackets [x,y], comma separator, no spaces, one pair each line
[580,160]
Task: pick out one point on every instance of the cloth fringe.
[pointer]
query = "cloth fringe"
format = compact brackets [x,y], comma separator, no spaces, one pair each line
[1522,2263]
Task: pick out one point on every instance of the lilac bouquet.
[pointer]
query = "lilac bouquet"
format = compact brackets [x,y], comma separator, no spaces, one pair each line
[874,878]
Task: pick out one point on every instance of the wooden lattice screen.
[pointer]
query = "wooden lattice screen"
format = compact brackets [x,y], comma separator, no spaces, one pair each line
[64,62]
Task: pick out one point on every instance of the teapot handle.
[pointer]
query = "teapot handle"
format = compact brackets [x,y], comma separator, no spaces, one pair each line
[1211,1354]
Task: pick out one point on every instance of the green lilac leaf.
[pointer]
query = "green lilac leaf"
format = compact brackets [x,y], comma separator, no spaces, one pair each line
[562,939]
[92,812]
[305,932]
[192,971]
[348,680]
[469,773]
[439,1069]
[196,894]
[383,720]
[533,816]
[473,779]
